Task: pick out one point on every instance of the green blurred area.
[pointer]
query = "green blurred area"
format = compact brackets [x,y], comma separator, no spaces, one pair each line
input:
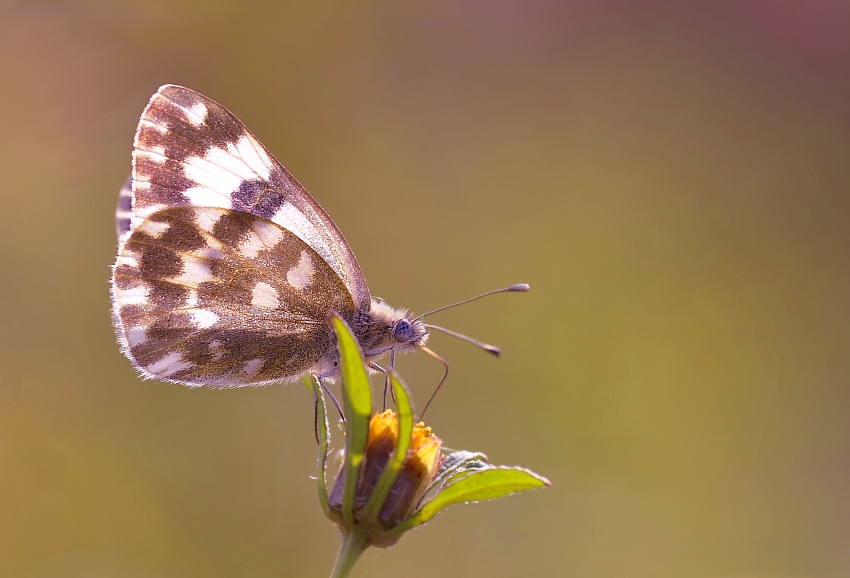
[672,180]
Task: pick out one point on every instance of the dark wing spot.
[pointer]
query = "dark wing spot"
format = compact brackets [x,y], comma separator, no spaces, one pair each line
[183,233]
[167,295]
[258,197]
[127,277]
[232,226]
[157,262]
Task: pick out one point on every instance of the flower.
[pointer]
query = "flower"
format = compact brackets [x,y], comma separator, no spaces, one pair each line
[394,475]
[417,472]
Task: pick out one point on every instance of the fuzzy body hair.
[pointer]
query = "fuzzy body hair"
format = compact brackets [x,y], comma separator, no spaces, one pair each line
[374,331]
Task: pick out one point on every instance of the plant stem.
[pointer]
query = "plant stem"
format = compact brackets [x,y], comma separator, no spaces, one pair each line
[350,549]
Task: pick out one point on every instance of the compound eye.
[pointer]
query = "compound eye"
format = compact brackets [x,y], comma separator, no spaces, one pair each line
[403,331]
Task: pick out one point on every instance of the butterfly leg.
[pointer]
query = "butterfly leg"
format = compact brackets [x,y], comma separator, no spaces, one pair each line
[316,413]
[377,367]
[330,394]
[380,369]
[387,379]
[387,382]
[375,353]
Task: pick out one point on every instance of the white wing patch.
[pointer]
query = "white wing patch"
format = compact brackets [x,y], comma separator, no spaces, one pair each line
[203,318]
[263,235]
[289,217]
[268,233]
[253,155]
[168,365]
[133,296]
[155,154]
[265,296]
[153,229]
[221,171]
[252,367]
[195,272]
[302,274]
[197,113]
[231,162]
[207,219]
[128,259]
[136,336]
[214,181]
[142,213]
[143,122]
[207,198]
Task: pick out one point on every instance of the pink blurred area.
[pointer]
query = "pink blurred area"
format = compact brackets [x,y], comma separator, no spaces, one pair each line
[809,35]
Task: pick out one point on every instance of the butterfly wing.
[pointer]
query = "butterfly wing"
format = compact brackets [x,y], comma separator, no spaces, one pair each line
[124,210]
[191,151]
[217,297]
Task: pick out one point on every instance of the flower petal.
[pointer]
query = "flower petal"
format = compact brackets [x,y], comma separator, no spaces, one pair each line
[393,466]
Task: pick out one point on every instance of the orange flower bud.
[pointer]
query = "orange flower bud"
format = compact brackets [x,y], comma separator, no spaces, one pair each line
[418,470]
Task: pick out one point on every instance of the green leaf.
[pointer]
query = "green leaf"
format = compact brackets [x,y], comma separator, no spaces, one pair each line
[357,405]
[388,477]
[476,486]
[324,439]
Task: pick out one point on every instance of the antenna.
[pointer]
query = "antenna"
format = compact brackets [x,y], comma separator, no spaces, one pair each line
[439,385]
[485,346]
[519,288]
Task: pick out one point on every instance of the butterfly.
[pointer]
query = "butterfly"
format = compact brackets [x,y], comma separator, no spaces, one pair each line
[227,267]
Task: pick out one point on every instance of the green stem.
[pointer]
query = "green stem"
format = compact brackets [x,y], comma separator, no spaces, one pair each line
[350,549]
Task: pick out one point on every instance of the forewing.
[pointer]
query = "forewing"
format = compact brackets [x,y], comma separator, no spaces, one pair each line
[191,151]
[213,296]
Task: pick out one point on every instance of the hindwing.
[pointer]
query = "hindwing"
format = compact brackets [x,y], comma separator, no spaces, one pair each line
[219,297]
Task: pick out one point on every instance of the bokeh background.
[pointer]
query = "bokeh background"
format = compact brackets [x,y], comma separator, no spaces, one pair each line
[672,179]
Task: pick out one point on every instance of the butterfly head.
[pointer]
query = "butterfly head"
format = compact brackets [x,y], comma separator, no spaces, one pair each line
[398,329]
[409,333]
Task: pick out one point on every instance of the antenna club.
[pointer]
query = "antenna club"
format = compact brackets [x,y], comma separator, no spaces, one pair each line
[519,288]
[494,350]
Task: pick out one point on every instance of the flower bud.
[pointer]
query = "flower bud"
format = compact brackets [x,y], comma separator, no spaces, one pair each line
[417,471]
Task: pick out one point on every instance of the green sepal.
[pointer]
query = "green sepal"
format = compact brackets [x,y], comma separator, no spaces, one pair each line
[357,405]
[388,477]
[475,486]
[324,435]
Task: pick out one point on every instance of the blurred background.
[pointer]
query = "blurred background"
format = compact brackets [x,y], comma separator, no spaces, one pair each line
[672,179]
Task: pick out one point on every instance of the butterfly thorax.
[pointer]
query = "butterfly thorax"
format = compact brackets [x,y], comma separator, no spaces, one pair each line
[379,331]
[384,327]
